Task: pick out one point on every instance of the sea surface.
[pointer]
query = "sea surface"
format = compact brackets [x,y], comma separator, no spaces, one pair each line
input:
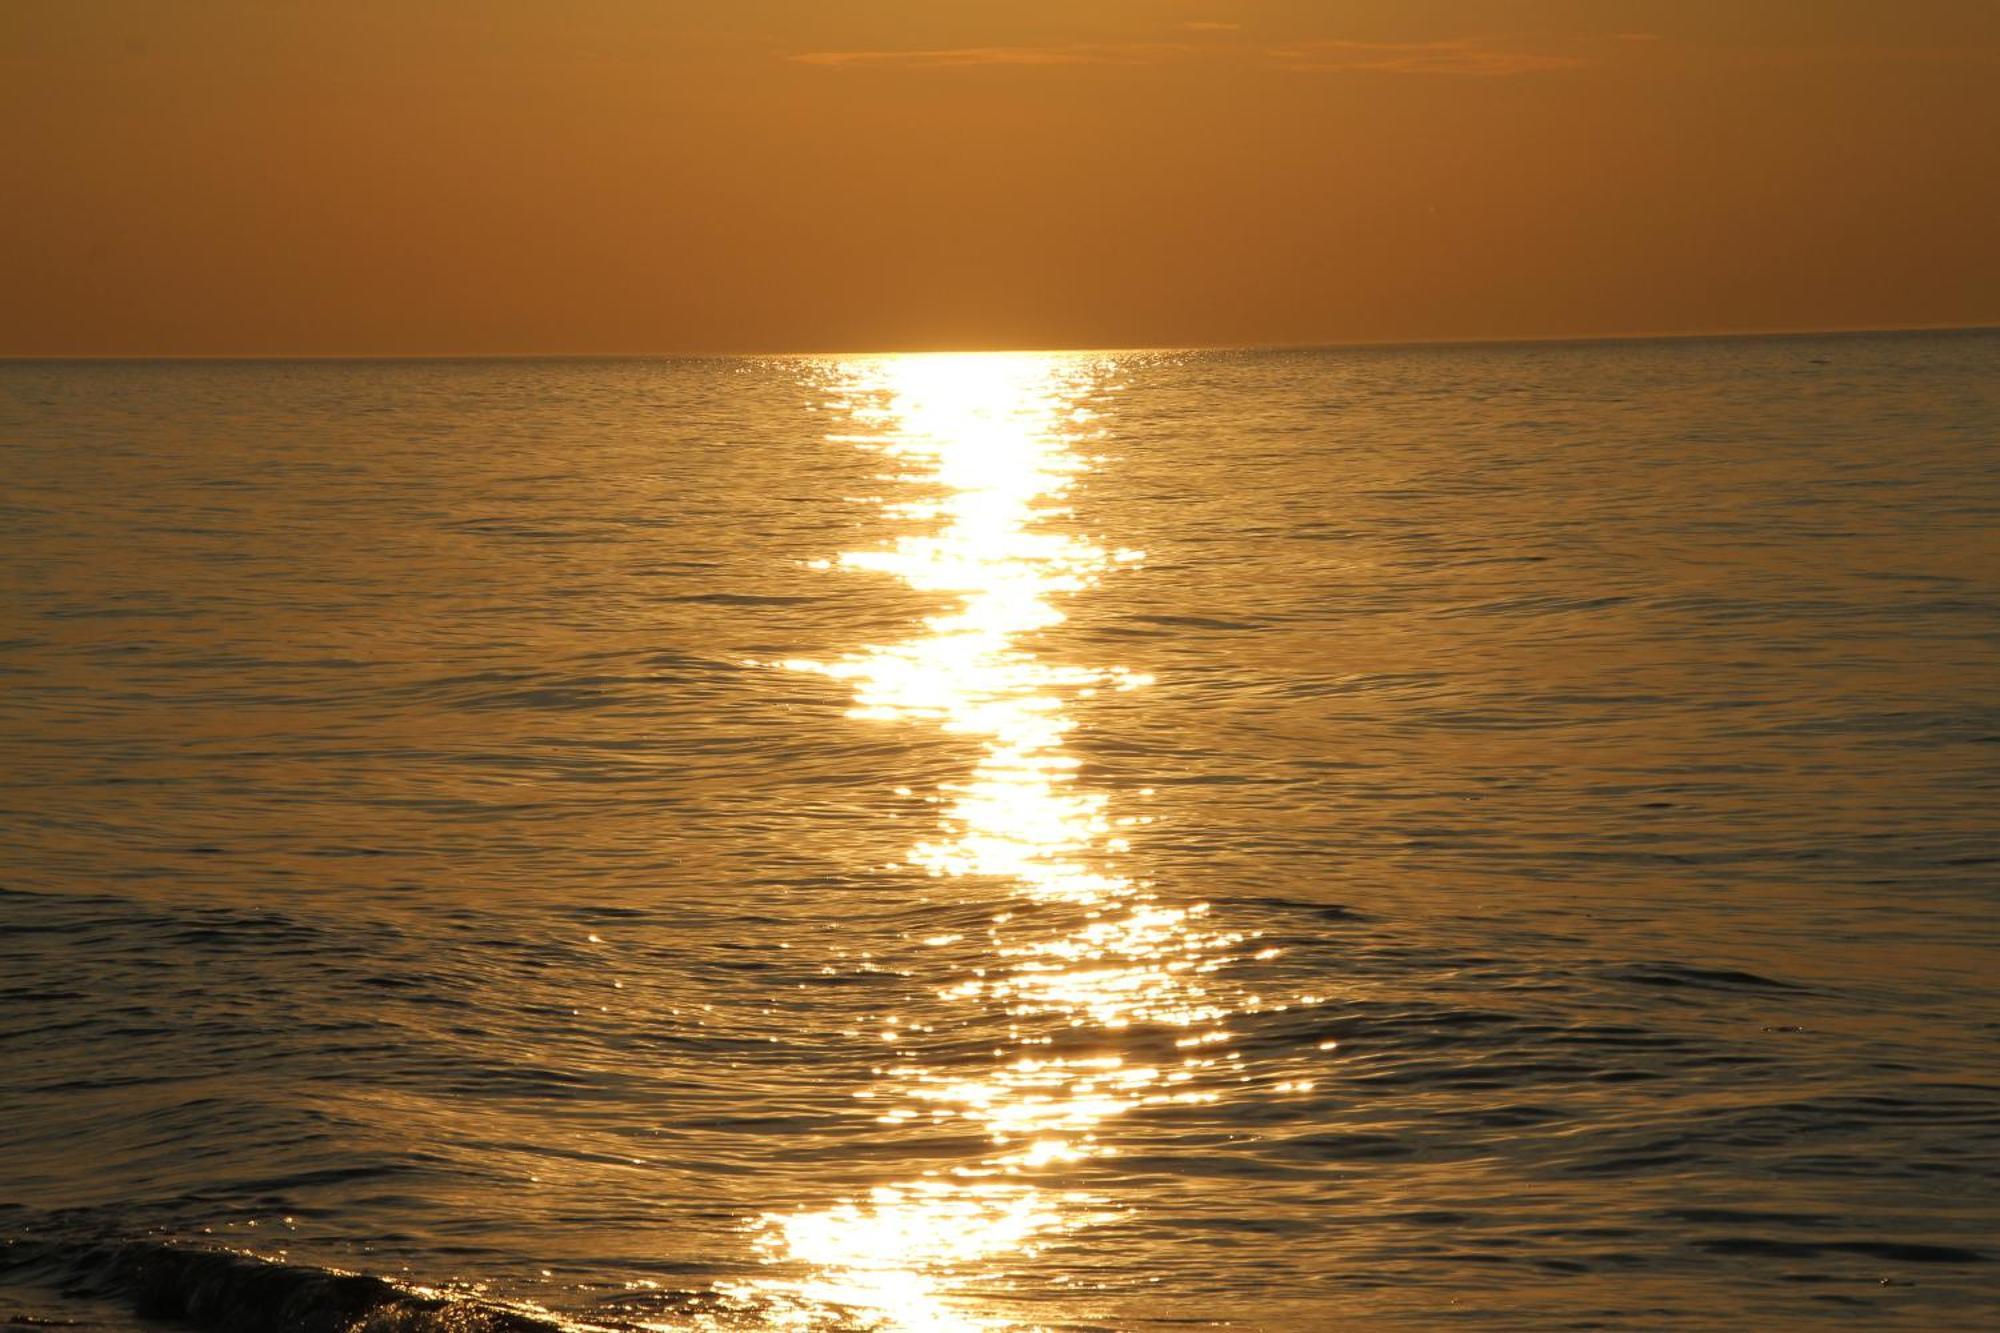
[1393,838]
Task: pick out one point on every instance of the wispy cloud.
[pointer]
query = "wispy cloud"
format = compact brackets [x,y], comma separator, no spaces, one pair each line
[1478,57]
[1124,53]
[1465,56]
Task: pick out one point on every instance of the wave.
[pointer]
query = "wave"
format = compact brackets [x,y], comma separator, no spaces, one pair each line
[233,1292]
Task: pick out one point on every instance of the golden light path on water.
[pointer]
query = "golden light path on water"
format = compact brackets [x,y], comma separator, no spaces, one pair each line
[982,450]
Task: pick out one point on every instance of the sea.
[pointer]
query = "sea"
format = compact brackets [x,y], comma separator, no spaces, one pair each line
[1487,836]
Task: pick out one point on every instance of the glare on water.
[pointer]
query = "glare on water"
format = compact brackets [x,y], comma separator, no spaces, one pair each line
[983,449]
[403,872]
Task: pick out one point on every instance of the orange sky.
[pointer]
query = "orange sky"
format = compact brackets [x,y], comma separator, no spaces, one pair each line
[483,176]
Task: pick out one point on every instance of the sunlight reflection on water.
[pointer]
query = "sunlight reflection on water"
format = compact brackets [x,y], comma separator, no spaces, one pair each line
[988,445]
[1604,729]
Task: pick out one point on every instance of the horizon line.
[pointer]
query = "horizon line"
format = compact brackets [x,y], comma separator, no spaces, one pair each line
[1528,340]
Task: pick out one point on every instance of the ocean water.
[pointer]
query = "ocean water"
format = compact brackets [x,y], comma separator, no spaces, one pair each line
[1499,836]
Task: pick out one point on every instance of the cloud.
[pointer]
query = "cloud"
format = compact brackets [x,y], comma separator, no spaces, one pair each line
[1464,56]
[959,57]
[1204,25]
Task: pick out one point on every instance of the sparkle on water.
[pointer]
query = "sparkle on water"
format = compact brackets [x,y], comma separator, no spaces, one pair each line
[983,449]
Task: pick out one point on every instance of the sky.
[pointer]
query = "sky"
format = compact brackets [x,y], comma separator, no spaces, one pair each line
[442,177]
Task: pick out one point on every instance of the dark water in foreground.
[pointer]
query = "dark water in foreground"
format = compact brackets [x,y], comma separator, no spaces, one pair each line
[1499,836]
